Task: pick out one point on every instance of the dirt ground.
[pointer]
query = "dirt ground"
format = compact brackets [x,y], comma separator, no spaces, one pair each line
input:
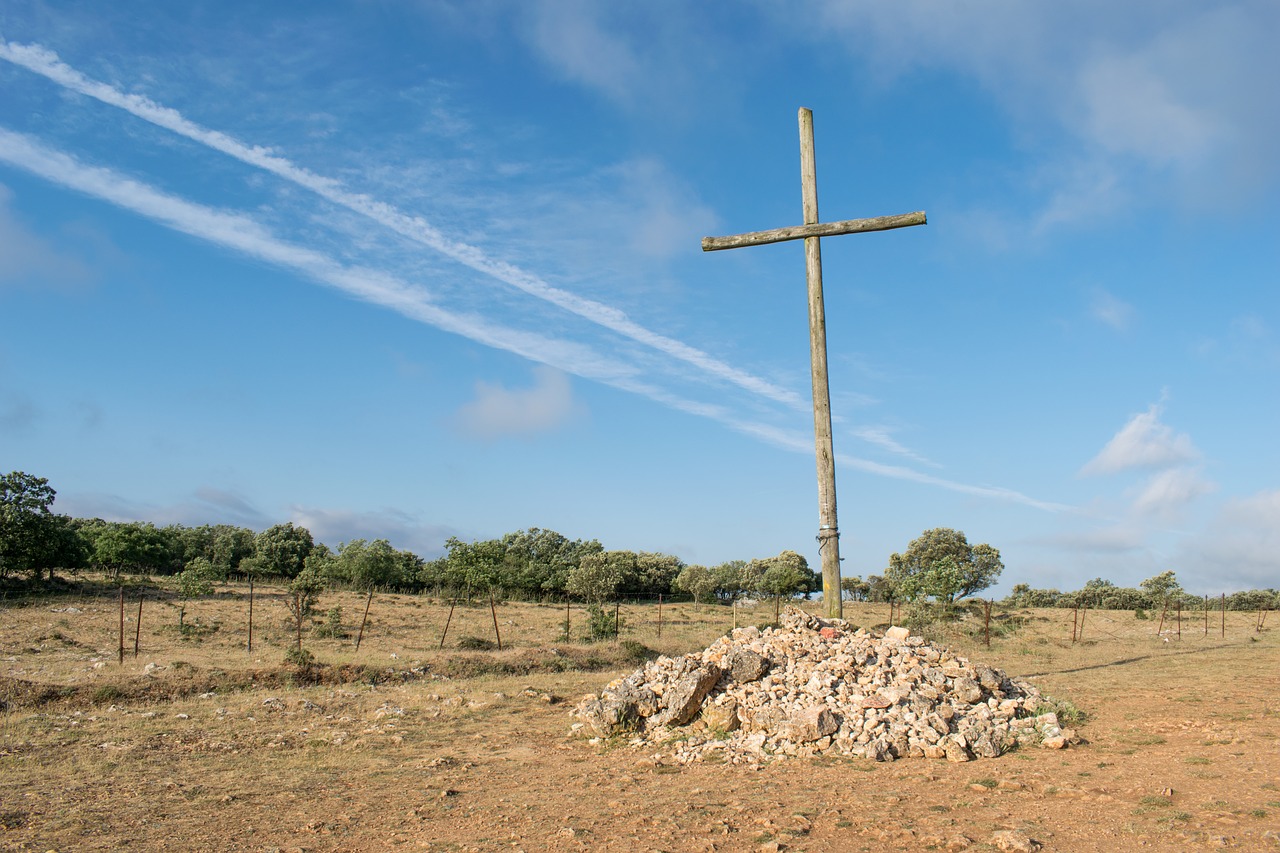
[196,744]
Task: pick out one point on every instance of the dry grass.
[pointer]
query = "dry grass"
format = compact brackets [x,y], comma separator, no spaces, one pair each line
[401,744]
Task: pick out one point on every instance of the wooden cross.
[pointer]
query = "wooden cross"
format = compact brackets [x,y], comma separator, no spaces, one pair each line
[811,231]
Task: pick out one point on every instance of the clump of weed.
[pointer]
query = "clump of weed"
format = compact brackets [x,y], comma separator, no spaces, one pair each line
[1067,712]
[107,693]
[331,628]
[475,644]
[636,652]
[299,657]
[1139,613]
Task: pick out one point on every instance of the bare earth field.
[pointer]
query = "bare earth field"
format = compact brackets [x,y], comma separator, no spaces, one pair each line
[197,744]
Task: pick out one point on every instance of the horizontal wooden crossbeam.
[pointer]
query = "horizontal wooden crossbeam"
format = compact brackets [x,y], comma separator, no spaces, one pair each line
[822,229]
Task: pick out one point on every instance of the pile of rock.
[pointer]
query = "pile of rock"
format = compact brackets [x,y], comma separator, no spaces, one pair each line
[811,687]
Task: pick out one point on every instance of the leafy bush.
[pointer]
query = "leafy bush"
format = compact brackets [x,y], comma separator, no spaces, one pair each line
[332,627]
[602,624]
[475,644]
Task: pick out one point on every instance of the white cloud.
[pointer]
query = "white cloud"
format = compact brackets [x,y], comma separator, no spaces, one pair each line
[1238,549]
[881,436]
[1144,442]
[1111,311]
[570,36]
[1168,493]
[45,62]
[1156,97]
[497,412]
[404,531]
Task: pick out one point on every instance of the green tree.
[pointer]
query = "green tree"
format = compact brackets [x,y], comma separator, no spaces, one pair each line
[598,577]
[304,591]
[282,550]
[698,581]
[25,523]
[366,565]
[731,580]
[1162,587]
[194,581]
[131,547]
[940,582]
[476,565]
[979,566]
[855,588]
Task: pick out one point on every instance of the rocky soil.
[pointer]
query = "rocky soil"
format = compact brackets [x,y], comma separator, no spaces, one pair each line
[812,687]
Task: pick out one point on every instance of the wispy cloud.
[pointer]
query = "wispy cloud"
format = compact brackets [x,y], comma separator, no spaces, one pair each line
[1167,494]
[1110,310]
[497,412]
[1238,549]
[882,437]
[402,530]
[46,63]
[1143,442]
[29,260]
[243,234]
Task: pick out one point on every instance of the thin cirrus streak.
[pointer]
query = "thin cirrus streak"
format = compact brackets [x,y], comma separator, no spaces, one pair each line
[46,63]
[246,236]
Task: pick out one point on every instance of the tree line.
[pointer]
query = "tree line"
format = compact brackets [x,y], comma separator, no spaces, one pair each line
[535,563]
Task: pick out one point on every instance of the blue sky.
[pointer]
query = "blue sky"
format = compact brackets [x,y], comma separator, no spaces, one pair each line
[414,270]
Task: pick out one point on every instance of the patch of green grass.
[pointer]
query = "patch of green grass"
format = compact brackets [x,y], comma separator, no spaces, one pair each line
[1257,813]
[1156,801]
[1194,759]
[986,783]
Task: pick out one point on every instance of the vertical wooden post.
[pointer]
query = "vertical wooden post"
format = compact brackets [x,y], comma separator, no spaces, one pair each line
[250,645]
[1224,616]
[828,529]
[735,613]
[1163,611]
[365,620]
[1206,615]
[122,625]
[445,632]
[1075,618]
[617,623]
[137,634]
[493,611]
[1179,618]
[660,617]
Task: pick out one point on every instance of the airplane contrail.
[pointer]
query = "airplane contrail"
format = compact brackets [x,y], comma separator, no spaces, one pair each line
[46,63]
[248,237]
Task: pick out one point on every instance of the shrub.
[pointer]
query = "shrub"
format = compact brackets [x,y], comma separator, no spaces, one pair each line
[332,627]
[475,644]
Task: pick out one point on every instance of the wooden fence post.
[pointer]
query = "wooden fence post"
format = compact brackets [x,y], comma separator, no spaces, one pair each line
[137,634]
[617,624]
[660,617]
[364,621]
[1224,616]
[122,625]
[250,647]
[493,611]
[445,632]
